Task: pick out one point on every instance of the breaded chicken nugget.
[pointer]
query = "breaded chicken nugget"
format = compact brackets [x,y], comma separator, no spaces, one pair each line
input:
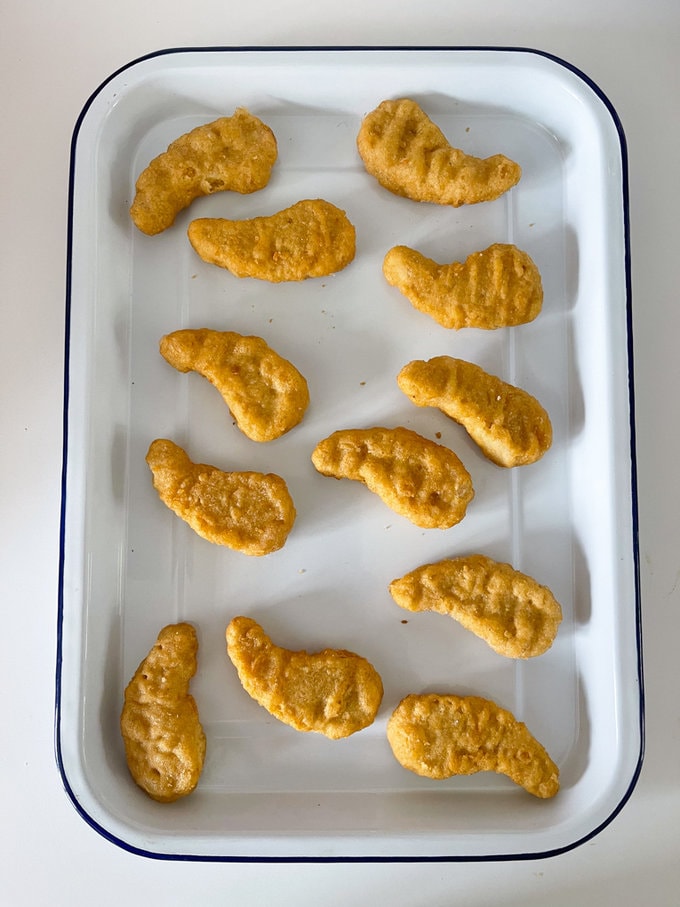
[312,238]
[409,155]
[509,425]
[265,393]
[235,153]
[438,736]
[418,479]
[332,692]
[512,612]
[164,740]
[497,287]
[248,511]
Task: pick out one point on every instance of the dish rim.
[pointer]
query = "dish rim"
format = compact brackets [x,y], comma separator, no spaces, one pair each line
[58,706]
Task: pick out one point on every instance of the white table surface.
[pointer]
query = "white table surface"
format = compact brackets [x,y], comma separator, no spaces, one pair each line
[52,56]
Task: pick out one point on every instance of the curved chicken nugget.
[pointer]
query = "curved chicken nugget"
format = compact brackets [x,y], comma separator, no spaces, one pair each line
[164,740]
[409,155]
[312,238]
[265,393]
[437,736]
[248,511]
[333,692]
[507,423]
[418,479]
[512,612]
[497,287]
[234,153]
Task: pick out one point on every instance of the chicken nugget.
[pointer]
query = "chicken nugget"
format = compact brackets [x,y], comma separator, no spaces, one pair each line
[417,478]
[265,393]
[512,612]
[164,740]
[312,238]
[248,511]
[234,153]
[409,155]
[332,692]
[495,288]
[509,425]
[437,736]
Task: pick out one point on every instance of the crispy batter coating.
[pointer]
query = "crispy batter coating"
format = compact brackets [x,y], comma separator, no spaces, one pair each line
[234,153]
[312,238]
[509,424]
[438,736]
[417,478]
[265,393]
[495,288]
[248,511]
[512,612]
[164,740]
[409,155]
[332,692]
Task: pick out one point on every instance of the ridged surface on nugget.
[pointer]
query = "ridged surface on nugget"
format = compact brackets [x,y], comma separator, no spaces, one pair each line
[312,238]
[409,155]
[234,153]
[333,692]
[437,736]
[265,393]
[417,478]
[251,512]
[164,741]
[508,424]
[497,287]
[517,616]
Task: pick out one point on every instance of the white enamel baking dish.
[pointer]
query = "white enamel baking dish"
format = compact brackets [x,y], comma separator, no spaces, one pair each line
[129,566]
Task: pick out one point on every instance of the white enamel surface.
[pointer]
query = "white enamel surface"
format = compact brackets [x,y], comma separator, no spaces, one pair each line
[131,566]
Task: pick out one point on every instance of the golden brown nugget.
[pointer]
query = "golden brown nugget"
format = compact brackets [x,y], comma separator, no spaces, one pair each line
[332,692]
[248,511]
[164,740]
[507,423]
[409,155]
[495,288]
[265,393]
[512,612]
[312,238]
[234,153]
[417,478]
[438,736]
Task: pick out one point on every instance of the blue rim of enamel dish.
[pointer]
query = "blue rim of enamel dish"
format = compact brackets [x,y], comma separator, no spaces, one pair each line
[633,466]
